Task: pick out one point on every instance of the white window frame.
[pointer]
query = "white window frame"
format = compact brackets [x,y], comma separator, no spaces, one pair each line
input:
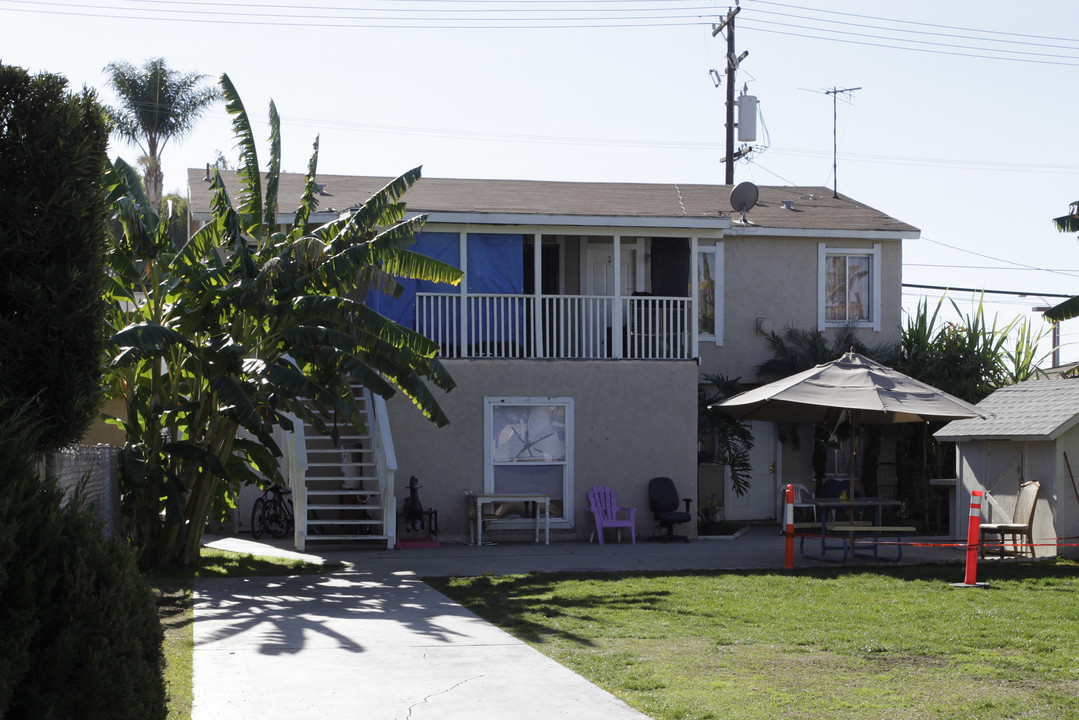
[874,255]
[715,253]
[489,403]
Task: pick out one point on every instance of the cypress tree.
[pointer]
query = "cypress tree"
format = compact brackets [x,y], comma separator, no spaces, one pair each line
[52,243]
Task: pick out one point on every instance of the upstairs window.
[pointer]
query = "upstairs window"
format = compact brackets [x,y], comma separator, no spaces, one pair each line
[848,282]
[709,267]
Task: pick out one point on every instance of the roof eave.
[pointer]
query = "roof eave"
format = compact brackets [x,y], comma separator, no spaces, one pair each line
[503,218]
[755,230]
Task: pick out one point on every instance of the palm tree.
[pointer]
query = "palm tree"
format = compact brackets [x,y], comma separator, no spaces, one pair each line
[1070,307]
[156,105]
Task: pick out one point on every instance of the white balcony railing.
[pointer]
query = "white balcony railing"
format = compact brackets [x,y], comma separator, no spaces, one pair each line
[557,326]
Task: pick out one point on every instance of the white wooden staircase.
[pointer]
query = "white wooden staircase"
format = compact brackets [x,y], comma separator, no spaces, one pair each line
[343,490]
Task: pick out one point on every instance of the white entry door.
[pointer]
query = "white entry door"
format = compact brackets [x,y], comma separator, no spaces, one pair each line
[597,315]
[599,278]
[759,502]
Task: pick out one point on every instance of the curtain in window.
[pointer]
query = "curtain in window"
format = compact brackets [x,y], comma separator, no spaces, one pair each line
[847,291]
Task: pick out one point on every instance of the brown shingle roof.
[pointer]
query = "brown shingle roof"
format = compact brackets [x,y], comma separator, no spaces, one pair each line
[813,208]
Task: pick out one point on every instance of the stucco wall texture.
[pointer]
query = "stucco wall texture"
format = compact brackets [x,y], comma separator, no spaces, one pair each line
[617,441]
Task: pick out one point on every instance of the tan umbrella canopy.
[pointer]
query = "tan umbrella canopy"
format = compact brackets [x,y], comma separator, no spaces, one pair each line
[871,392]
[876,392]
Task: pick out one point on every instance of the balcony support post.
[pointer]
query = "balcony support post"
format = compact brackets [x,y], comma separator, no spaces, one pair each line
[616,311]
[463,341]
[537,303]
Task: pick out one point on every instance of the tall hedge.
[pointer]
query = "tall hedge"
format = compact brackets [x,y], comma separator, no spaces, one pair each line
[79,635]
[52,230]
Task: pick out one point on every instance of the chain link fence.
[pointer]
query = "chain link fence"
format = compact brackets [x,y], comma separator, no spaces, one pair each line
[97,469]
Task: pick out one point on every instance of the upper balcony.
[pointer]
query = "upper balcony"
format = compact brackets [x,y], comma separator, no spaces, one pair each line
[557,326]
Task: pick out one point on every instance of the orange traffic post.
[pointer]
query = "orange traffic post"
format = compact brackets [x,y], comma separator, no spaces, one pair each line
[973,539]
[788,519]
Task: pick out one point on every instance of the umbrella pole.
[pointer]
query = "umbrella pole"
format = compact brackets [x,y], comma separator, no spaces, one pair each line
[853,454]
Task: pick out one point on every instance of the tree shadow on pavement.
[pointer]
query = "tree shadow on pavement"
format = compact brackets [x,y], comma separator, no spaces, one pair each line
[284,615]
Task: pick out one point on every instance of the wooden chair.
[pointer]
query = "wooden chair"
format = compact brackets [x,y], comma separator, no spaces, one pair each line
[604,506]
[1021,524]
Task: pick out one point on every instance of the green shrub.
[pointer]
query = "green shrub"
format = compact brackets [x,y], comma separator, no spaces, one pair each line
[52,247]
[79,635]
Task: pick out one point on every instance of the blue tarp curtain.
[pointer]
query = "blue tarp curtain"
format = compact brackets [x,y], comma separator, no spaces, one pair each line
[495,265]
[444,247]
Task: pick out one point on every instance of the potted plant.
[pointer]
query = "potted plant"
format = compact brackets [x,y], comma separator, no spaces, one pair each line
[711,516]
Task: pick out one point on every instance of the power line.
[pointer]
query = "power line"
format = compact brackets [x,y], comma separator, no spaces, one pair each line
[927,43]
[1008,39]
[917,49]
[385,20]
[1000,260]
[1017,293]
[688,145]
[977,267]
[1009,33]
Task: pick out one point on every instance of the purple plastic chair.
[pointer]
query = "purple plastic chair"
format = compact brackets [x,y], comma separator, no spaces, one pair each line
[604,506]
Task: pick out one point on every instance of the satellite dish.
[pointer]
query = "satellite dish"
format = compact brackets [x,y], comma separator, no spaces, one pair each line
[744,197]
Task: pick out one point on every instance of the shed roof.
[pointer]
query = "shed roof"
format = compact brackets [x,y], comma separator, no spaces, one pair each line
[1031,410]
[811,208]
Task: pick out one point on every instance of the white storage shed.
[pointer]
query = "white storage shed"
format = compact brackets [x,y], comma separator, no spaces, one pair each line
[1033,435]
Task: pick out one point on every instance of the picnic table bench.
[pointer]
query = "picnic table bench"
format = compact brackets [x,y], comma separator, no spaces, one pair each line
[845,530]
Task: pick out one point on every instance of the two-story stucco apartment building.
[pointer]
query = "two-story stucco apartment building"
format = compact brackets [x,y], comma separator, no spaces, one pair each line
[587,317]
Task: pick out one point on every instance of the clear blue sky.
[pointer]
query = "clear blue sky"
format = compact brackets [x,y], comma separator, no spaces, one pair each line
[964,126]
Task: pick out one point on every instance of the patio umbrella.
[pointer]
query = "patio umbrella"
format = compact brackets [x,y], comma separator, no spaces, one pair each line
[869,391]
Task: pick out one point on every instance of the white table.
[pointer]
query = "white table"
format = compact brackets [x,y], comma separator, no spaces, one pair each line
[545,500]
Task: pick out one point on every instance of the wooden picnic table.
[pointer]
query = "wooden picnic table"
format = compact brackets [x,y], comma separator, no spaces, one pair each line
[832,526]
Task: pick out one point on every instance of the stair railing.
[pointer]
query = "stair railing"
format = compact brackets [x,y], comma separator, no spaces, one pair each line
[385,463]
[297,478]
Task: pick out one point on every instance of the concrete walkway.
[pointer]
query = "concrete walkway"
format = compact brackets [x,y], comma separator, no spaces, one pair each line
[375,642]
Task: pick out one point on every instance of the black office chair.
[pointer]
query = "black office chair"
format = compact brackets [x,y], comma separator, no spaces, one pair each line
[663,501]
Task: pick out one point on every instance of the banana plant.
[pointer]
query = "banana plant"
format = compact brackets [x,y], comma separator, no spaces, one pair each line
[217,342]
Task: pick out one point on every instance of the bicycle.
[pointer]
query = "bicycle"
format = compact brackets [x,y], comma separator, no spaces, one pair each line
[272,513]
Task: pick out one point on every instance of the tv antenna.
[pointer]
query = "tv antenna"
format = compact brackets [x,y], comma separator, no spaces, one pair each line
[834,92]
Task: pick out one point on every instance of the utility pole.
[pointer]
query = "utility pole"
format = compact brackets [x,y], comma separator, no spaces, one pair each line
[1055,336]
[834,92]
[732,65]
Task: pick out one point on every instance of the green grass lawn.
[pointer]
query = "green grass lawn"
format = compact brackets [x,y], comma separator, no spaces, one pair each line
[174,592]
[834,643]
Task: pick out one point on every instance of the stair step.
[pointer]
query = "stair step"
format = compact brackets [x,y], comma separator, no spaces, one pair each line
[354,492]
[356,522]
[338,486]
[340,464]
[315,436]
[347,537]
[344,507]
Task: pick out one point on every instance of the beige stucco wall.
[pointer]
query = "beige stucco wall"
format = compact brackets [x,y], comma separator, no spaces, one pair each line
[102,432]
[633,421]
[776,278]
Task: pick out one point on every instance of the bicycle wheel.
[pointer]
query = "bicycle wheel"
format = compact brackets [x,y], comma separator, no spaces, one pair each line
[276,518]
[258,518]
